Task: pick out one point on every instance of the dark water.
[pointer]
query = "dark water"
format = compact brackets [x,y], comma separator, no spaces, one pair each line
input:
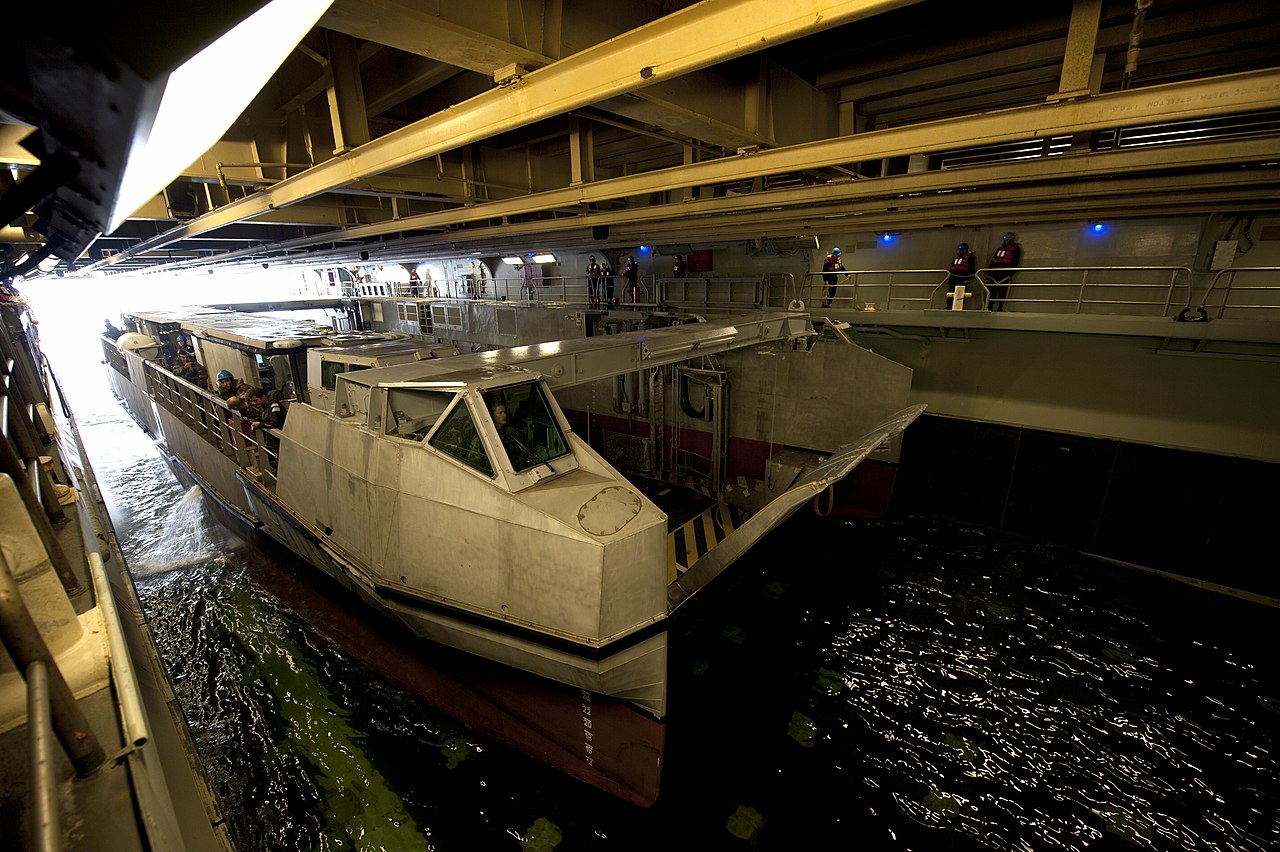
[902,684]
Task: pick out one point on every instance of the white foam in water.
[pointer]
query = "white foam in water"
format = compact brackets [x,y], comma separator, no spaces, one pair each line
[182,538]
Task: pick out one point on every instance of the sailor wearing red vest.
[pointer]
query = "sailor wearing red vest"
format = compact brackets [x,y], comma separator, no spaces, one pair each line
[831,264]
[1003,262]
[961,269]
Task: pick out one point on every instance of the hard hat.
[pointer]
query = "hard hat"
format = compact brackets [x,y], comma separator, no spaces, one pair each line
[1009,236]
[963,247]
[835,251]
[224,374]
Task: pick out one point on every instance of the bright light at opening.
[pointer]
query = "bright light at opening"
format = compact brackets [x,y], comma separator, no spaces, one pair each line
[544,258]
[207,93]
[513,261]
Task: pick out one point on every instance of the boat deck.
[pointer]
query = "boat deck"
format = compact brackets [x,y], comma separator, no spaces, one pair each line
[696,520]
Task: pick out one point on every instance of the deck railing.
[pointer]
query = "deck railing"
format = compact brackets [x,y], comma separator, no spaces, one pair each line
[1246,291]
[1128,290]
[210,417]
[1158,291]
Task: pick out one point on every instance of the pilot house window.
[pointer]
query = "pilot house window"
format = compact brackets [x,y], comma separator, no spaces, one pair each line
[528,428]
[457,437]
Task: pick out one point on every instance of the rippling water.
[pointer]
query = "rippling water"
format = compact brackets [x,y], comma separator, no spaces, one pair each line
[854,686]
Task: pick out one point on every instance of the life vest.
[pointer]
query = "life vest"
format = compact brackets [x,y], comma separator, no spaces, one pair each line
[1006,255]
[963,264]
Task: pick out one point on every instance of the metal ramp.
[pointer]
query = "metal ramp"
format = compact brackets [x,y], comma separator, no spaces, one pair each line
[725,551]
[695,538]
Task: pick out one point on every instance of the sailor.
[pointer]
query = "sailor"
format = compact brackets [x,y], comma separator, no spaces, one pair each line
[520,453]
[593,280]
[961,269]
[606,272]
[229,386]
[831,263]
[110,330]
[681,268]
[265,411]
[631,274]
[266,414]
[1002,264]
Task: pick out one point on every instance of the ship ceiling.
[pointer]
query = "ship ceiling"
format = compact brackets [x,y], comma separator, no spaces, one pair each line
[408,129]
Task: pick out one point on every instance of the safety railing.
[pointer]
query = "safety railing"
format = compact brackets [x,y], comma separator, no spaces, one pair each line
[746,292]
[1248,291]
[1127,290]
[1160,291]
[230,431]
[872,289]
[711,291]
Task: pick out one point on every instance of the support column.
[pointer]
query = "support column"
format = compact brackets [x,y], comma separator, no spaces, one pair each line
[1082,41]
[346,94]
[582,155]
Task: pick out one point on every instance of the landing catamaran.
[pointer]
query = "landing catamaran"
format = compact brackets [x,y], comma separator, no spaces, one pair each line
[452,493]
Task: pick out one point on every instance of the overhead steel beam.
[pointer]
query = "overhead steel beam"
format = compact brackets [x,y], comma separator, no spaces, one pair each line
[1097,178]
[695,37]
[1173,102]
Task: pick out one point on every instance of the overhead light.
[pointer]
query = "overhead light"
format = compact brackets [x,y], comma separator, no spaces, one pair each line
[205,95]
[648,350]
[544,258]
[886,237]
[513,261]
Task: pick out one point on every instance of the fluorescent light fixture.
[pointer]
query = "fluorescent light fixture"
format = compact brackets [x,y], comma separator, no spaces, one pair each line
[207,93]
[544,258]
[513,261]
[729,334]
[678,347]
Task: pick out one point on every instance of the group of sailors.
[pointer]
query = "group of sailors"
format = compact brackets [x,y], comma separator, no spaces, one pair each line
[1007,257]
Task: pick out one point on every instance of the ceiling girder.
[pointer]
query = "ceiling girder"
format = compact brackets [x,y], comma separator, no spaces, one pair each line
[687,40]
[1172,102]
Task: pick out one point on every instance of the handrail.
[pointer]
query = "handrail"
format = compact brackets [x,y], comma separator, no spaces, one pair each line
[1157,290]
[198,408]
[1229,288]
[1074,286]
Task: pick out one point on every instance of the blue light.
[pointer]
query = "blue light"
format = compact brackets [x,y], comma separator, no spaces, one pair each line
[644,249]
[1098,227]
[886,237]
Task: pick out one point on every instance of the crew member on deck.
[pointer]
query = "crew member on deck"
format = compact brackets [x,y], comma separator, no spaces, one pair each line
[831,263]
[1003,262]
[594,272]
[961,269]
[229,386]
[631,274]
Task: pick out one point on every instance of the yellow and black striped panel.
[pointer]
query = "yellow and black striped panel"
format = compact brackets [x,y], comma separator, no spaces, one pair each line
[689,542]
